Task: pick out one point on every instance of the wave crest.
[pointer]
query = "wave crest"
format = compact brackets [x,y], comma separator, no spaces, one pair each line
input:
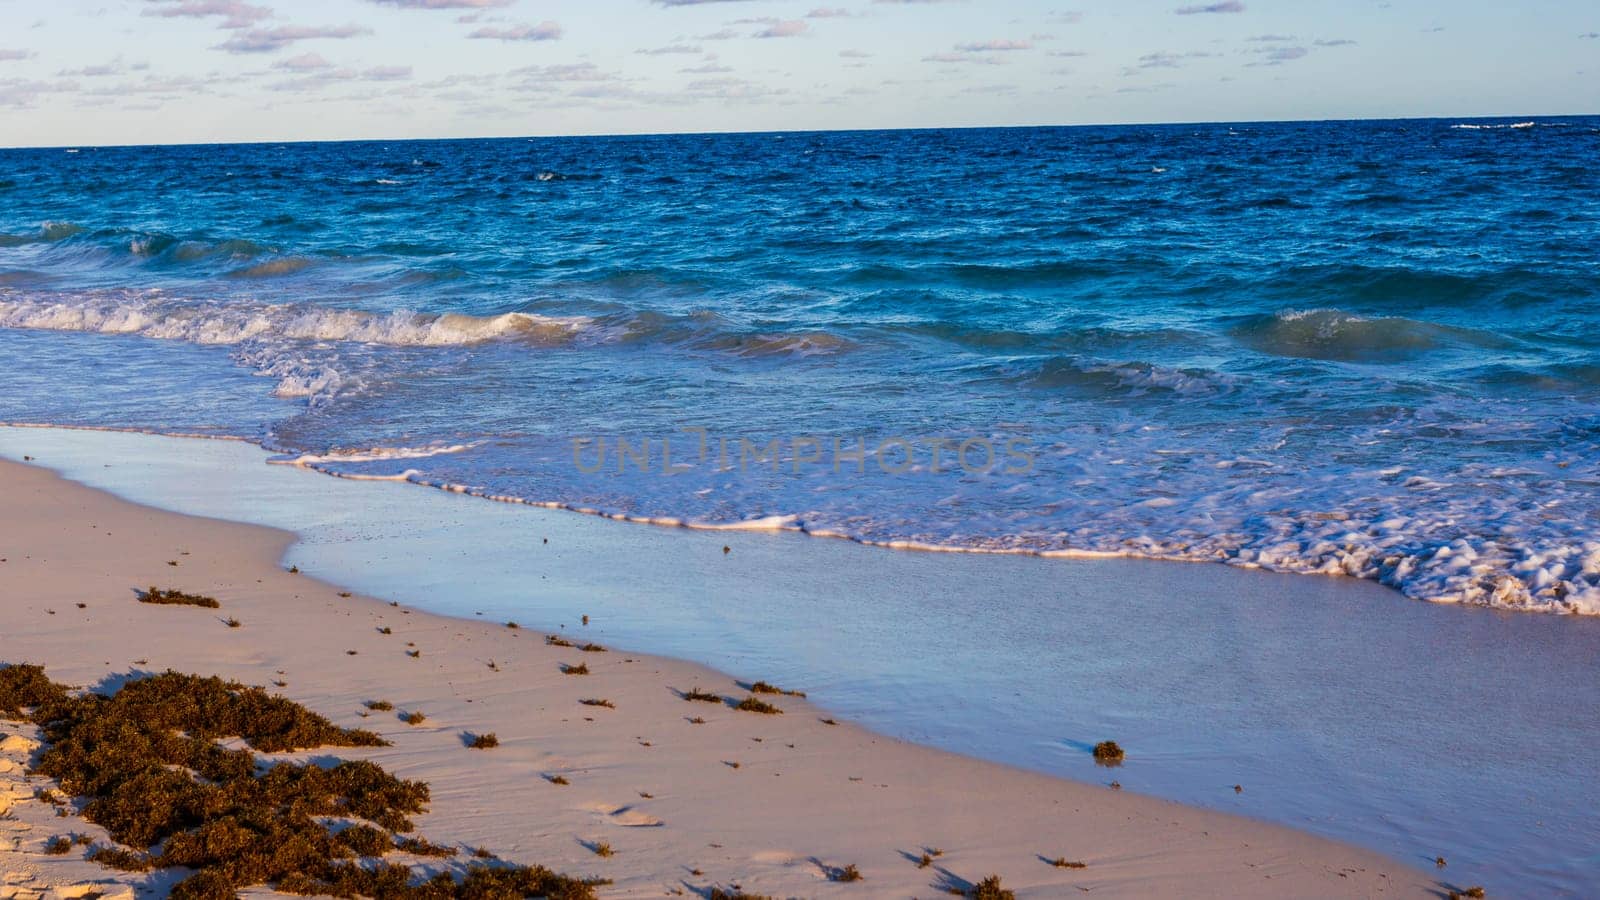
[154,316]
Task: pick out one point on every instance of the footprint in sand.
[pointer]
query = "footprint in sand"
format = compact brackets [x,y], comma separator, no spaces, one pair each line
[624,816]
[775,858]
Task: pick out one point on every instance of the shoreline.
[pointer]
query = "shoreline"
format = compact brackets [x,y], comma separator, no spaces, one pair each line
[802,810]
[1209,675]
[783,523]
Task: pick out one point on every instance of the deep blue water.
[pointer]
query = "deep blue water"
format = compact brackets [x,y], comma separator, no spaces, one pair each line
[1360,347]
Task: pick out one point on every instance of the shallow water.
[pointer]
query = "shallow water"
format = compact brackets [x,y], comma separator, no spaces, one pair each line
[1359,347]
[1342,708]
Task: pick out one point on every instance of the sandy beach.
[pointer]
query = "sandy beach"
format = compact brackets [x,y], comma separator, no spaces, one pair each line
[770,803]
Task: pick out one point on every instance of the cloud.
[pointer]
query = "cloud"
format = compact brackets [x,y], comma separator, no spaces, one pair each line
[115,67]
[1227,6]
[709,68]
[18,93]
[234,13]
[565,72]
[1161,60]
[9,55]
[1274,56]
[777,28]
[670,49]
[1591,36]
[824,12]
[1166,60]
[443,4]
[994,46]
[271,40]
[319,78]
[855,54]
[386,73]
[1336,42]
[544,31]
[305,62]
[1271,38]
[961,58]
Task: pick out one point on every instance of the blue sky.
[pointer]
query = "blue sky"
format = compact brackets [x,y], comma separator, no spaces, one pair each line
[162,71]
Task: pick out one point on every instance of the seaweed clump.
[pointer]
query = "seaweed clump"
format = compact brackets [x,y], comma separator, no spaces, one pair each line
[752,704]
[148,764]
[172,597]
[1107,753]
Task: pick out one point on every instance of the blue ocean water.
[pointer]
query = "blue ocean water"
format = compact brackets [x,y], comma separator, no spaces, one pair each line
[1351,347]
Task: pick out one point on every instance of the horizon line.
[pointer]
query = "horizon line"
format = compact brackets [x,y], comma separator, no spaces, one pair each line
[731,132]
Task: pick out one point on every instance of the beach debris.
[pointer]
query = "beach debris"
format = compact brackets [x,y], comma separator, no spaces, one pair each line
[990,889]
[702,696]
[1439,862]
[482,741]
[726,549]
[844,874]
[170,597]
[1061,862]
[1107,753]
[754,704]
[762,687]
[415,717]
[1238,789]
[154,743]
[598,701]
[579,669]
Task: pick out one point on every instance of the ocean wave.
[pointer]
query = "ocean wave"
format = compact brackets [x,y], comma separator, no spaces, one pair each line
[1469,126]
[274,268]
[1099,378]
[152,315]
[1335,334]
[48,232]
[349,455]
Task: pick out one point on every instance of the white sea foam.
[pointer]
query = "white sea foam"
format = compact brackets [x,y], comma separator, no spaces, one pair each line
[368,454]
[1412,545]
[153,315]
[1468,126]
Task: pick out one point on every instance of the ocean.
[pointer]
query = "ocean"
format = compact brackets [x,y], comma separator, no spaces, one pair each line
[1359,348]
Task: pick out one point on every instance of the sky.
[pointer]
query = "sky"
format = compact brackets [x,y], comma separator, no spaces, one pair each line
[186,71]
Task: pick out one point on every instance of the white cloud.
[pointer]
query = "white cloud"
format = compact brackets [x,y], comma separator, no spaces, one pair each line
[544,31]
[234,13]
[994,46]
[271,40]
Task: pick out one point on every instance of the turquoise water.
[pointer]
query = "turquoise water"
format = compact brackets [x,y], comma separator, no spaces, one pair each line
[1361,348]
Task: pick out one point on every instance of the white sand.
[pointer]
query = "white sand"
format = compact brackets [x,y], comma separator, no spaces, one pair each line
[803,796]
